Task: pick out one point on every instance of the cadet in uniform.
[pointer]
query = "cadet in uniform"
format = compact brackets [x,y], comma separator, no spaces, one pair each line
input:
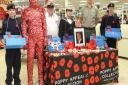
[12,56]
[110,21]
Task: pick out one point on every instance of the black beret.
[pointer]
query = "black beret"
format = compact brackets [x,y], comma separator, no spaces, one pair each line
[69,9]
[10,6]
[111,5]
[50,5]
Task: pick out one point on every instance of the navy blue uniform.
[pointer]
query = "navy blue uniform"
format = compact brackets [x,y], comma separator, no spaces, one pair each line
[112,21]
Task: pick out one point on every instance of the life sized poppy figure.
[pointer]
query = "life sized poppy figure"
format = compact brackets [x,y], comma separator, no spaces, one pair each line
[35,32]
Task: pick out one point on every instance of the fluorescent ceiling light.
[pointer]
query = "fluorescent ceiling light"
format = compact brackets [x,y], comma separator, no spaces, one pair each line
[98,3]
[82,4]
[115,1]
[83,1]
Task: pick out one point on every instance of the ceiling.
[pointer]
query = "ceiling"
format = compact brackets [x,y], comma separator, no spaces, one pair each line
[77,3]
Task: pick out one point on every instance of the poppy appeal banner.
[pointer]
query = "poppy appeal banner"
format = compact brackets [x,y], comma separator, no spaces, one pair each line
[85,69]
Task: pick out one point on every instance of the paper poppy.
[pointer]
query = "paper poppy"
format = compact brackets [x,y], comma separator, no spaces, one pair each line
[96,59]
[83,59]
[90,61]
[69,64]
[76,55]
[102,65]
[45,76]
[52,68]
[92,80]
[86,82]
[55,64]
[101,56]
[84,67]
[67,73]
[62,62]
[76,68]
[116,59]
[57,74]
[97,79]
[112,55]
[49,75]
[110,63]
[52,79]
[47,65]
[106,54]
[88,53]
[92,45]
[97,68]
[91,70]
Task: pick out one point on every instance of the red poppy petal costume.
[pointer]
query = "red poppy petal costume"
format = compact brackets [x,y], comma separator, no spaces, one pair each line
[34,30]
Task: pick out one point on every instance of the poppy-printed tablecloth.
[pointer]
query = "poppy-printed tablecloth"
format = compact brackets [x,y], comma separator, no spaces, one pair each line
[82,69]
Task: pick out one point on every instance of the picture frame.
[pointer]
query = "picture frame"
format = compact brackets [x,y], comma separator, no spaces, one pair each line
[79,37]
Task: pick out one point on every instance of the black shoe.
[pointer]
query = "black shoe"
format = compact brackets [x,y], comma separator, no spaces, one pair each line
[8,83]
[17,84]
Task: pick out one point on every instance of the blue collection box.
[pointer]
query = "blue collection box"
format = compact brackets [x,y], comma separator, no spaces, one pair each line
[14,42]
[100,40]
[113,33]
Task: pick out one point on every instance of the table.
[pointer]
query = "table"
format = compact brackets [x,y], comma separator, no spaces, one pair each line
[91,68]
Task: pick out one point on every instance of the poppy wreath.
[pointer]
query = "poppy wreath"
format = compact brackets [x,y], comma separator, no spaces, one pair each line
[97,79]
[57,74]
[91,45]
[92,79]
[76,55]
[70,63]
[52,79]
[62,62]
[106,54]
[55,64]
[83,59]
[90,60]
[110,63]
[112,55]
[76,68]
[102,65]
[84,67]
[86,82]
[67,73]
[96,59]
[91,70]
[97,68]
[101,56]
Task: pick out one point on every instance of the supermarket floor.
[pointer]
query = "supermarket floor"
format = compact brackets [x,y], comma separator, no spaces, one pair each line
[123,69]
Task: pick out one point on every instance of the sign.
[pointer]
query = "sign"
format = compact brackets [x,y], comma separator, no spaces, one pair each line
[82,69]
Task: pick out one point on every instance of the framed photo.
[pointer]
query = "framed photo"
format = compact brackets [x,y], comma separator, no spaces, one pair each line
[79,36]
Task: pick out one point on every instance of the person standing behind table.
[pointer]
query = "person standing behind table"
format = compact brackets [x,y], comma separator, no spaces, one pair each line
[52,20]
[110,21]
[12,56]
[35,31]
[90,16]
[66,25]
